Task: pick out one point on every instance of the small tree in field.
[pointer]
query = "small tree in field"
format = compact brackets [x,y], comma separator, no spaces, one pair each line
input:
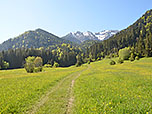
[33,64]
[124,53]
[38,64]
[29,65]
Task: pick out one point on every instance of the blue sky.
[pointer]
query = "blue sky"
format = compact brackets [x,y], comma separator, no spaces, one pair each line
[63,16]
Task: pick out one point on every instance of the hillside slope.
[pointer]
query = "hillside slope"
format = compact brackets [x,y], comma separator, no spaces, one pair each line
[138,36]
[36,39]
[71,38]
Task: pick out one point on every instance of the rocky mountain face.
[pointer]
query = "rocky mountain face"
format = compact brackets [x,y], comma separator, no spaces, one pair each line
[79,37]
[104,35]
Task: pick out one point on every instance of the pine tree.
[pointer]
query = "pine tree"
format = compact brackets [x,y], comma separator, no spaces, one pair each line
[140,46]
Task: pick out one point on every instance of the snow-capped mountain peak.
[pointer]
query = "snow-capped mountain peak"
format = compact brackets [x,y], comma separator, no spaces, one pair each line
[83,36]
[88,33]
[105,34]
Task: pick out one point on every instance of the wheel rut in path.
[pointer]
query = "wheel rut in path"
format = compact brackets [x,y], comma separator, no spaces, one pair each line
[45,97]
[71,95]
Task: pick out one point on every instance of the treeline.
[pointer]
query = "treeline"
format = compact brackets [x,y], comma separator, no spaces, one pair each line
[137,36]
[64,55]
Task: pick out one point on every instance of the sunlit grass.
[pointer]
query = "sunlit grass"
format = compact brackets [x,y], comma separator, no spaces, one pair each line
[121,88]
[103,88]
[20,90]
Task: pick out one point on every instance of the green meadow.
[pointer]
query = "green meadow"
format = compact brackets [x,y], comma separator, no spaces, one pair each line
[96,88]
[19,90]
[115,89]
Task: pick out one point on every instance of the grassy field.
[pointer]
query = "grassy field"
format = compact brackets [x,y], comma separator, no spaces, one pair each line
[118,89]
[99,88]
[19,90]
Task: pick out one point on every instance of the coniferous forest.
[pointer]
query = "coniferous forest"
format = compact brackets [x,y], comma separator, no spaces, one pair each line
[138,37]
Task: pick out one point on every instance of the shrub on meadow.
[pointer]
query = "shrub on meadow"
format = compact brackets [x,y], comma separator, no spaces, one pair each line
[137,58]
[38,62]
[29,65]
[120,61]
[33,64]
[112,62]
[124,53]
[5,65]
[56,64]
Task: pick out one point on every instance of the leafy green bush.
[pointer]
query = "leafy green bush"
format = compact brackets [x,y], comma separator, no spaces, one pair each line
[29,65]
[56,64]
[38,62]
[132,57]
[120,61]
[124,53]
[33,64]
[38,69]
[112,62]
[137,57]
[5,65]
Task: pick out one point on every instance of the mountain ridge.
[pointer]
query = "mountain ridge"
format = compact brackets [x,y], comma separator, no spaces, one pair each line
[33,38]
[80,37]
[40,38]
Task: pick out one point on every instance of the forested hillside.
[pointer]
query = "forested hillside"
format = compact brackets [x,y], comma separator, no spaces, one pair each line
[36,39]
[88,43]
[64,54]
[51,48]
[137,36]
